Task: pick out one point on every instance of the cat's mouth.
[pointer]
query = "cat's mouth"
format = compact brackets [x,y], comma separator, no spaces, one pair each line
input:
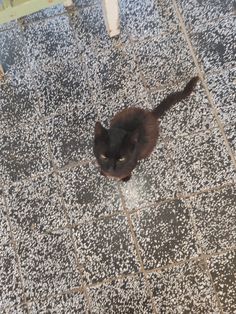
[109,175]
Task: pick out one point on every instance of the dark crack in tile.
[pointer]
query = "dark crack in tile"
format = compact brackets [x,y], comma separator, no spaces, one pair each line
[183,289]
[105,248]
[164,61]
[24,153]
[202,161]
[223,270]
[215,44]
[124,296]
[165,234]
[88,194]
[215,219]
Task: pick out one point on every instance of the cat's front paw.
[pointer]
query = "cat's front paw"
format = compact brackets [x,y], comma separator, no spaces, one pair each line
[126,179]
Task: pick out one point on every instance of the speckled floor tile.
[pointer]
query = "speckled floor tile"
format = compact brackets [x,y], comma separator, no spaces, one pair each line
[223,270]
[18,100]
[188,116]
[51,38]
[105,248]
[230,131]
[165,234]
[197,12]
[71,135]
[222,87]
[183,289]
[202,161]
[84,3]
[45,13]
[164,61]
[121,297]
[113,67]
[8,25]
[146,18]
[12,51]
[87,194]
[62,85]
[64,72]
[90,30]
[119,84]
[11,291]
[18,309]
[24,153]
[215,44]
[72,303]
[48,264]
[215,219]
[35,206]
[152,180]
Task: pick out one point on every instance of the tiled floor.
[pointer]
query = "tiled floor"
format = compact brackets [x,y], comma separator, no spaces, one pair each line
[72,241]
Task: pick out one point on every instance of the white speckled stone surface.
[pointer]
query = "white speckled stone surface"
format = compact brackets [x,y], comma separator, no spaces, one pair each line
[73,241]
[222,269]
[184,289]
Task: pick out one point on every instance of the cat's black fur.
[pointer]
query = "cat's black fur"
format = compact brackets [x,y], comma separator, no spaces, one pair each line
[132,135]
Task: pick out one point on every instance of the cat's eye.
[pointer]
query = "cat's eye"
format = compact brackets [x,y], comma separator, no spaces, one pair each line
[122,159]
[103,156]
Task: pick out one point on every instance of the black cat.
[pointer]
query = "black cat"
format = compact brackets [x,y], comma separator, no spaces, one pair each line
[132,136]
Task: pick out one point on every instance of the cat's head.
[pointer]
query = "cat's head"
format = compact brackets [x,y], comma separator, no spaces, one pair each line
[115,151]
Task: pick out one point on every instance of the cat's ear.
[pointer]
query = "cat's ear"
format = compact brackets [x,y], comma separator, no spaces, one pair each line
[100,131]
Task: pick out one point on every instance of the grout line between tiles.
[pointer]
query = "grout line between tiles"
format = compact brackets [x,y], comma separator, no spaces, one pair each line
[13,242]
[137,249]
[200,74]
[210,22]
[56,170]
[182,24]
[131,275]
[80,268]
[203,256]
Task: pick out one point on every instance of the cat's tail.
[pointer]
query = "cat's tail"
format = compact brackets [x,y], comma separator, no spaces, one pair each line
[175,97]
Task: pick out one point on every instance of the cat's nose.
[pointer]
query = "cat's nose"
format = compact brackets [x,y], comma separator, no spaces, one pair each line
[111,169]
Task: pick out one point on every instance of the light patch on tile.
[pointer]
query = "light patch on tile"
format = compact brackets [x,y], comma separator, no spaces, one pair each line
[88,194]
[152,180]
